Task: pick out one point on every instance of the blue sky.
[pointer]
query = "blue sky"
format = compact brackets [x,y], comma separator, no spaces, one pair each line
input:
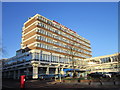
[95,21]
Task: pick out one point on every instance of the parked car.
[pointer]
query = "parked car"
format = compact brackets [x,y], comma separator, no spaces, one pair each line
[107,75]
[28,77]
[45,77]
[95,75]
[118,74]
[113,74]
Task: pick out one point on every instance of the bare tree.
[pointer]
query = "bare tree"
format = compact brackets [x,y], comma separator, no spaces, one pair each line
[3,52]
[72,57]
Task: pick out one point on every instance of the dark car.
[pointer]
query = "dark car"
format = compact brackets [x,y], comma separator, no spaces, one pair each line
[118,74]
[95,75]
[46,77]
[113,74]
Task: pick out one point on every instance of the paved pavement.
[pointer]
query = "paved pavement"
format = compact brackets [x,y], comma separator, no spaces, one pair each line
[7,83]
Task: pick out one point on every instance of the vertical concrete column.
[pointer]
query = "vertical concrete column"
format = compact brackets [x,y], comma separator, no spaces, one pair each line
[50,57]
[27,71]
[47,70]
[112,64]
[14,75]
[111,59]
[40,56]
[35,72]
[62,72]
[18,75]
[9,74]
[56,70]
[5,74]
[35,65]
[33,55]
[2,73]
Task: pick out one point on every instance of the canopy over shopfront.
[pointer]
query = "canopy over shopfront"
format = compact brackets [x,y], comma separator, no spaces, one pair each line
[72,70]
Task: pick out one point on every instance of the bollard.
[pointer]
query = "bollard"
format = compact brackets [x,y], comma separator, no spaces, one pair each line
[89,83]
[22,81]
[55,78]
[100,82]
[79,81]
[114,82]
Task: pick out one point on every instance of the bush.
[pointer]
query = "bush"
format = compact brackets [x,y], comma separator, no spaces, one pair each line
[81,78]
[89,78]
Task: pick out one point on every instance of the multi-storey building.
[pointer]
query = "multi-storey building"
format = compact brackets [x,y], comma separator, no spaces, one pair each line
[46,46]
[107,63]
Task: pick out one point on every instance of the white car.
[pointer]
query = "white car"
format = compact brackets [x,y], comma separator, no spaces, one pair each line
[107,75]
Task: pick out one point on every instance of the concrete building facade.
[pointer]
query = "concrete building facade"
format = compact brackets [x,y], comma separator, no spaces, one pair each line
[47,47]
[107,63]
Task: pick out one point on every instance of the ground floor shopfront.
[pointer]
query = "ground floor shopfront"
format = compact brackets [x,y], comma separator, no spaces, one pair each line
[34,69]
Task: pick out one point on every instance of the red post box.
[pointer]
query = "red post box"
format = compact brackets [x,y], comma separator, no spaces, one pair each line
[22,81]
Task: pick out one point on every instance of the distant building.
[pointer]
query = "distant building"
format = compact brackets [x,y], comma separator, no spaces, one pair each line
[107,63]
[46,47]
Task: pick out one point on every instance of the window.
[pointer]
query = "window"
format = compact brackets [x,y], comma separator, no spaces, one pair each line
[56,31]
[37,56]
[115,58]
